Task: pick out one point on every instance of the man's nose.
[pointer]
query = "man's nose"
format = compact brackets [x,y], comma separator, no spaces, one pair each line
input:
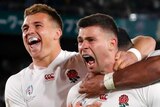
[31,30]
[85,45]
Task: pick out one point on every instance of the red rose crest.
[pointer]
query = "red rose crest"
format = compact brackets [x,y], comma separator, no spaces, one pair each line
[73,75]
[123,101]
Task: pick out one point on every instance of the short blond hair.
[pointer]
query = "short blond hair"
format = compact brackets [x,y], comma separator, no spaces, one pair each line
[43,8]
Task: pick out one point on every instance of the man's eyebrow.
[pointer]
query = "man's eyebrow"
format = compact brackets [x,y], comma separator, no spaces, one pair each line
[25,25]
[79,37]
[37,22]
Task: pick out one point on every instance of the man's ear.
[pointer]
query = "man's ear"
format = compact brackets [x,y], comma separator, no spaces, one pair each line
[58,34]
[113,43]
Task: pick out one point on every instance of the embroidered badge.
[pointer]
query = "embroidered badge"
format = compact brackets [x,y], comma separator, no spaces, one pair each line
[73,75]
[123,101]
[29,90]
[49,76]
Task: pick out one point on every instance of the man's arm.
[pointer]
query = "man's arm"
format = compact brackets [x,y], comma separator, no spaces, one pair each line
[13,92]
[143,45]
[94,85]
[139,74]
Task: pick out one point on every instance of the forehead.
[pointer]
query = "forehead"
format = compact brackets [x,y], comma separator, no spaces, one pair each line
[38,17]
[91,31]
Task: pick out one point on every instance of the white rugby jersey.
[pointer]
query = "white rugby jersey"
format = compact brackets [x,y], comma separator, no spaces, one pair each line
[47,87]
[148,96]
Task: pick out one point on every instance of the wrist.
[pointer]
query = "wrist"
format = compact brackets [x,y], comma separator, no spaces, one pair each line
[136,53]
[108,81]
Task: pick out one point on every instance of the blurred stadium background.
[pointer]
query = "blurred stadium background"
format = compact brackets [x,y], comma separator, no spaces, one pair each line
[136,16]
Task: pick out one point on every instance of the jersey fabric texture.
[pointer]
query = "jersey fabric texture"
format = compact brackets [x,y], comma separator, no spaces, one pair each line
[45,87]
[140,97]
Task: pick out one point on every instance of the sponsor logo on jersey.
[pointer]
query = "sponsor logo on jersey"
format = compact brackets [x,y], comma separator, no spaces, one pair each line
[123,101]
[103,97]
[73,75]
[49,76]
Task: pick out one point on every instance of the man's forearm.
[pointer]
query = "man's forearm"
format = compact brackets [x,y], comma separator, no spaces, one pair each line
[149,46]
[142,73]
[139,74]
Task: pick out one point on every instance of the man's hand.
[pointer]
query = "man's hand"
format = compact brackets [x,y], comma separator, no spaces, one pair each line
[92,85]
[124,59]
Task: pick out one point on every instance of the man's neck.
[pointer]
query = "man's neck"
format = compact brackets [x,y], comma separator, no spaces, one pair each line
[46,60]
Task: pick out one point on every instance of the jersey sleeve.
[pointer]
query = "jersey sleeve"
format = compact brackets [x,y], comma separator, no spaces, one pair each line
[73,94]
[13,92]
[154,53]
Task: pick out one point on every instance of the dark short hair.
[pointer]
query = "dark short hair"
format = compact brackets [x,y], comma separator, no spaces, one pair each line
[104,21]
[43,8]
[124,41]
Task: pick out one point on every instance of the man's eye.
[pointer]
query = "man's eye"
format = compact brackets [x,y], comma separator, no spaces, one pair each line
[38,25]
[24,29]
[79,40]
[90,40]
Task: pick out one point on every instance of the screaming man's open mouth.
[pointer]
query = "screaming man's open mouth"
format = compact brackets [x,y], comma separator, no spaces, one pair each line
[33,40]
[88,59]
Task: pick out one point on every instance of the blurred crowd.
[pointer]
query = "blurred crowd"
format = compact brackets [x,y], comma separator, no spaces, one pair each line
[116,8]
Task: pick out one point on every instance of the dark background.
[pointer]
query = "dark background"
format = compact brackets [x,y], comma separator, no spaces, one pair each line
[14,57]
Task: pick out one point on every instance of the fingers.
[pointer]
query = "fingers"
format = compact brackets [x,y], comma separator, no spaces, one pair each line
[85,90]
[117,64]
[90,95]
[118,55]
[120,61]
[82,88]
[123,64]
[124,59]
[85,83]
[92,86]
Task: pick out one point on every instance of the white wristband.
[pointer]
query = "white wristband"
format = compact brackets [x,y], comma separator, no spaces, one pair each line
[108,81]
[136,53]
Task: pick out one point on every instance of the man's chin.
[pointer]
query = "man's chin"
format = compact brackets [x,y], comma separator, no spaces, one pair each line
[94,71]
